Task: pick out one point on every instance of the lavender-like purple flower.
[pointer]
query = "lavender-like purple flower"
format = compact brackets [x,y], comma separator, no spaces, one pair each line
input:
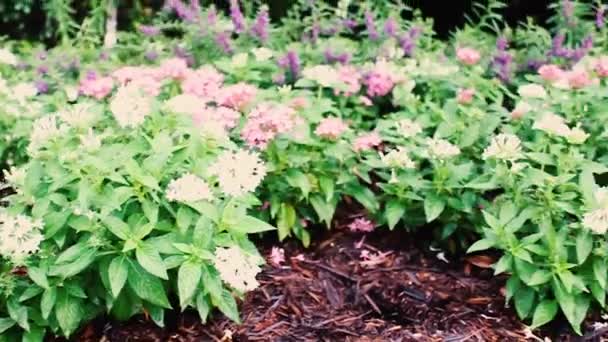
[502,61]
[149,30]
[290,61]
[349,24]
[260,26]
[42,55]
[390,27]
[331,57]
[184,12]
[599,16]
[315,32]
[42,69]
[408,40]
[238,20]
[370,25]
[91,75]
[211,16]
[42,86]
[279,79]
[222,39]
[151,55]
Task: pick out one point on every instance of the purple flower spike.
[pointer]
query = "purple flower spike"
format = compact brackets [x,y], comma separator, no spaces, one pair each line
[390,27]
[238,20]
[372,33]
[149,30]
[222,39]
[599,16]
[260,26]
[42,86]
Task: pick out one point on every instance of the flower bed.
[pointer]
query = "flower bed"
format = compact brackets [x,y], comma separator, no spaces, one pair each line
[139,171]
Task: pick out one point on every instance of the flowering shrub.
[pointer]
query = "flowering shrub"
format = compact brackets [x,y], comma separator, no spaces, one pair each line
[133,168]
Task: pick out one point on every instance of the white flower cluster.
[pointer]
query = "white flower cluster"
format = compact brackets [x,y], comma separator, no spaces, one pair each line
[20,236]
[556,125]
[238,172]
[79,115]
[532,90]
[45,129]
[130,106]
[597,220]
[185,104]
[236,268]
[7,57]
[441,149]
[324,75]
[188,188]
[90,142]
[262,54]
[504,146]
[408,128]
[397,158]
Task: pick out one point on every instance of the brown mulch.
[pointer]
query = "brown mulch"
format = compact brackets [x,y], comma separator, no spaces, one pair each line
[402,291]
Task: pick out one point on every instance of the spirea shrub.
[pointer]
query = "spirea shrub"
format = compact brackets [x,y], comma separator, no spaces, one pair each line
[138,171]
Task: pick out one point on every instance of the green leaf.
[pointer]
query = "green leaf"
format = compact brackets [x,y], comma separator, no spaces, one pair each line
[480,245]
[150,260]
[117,274]
[188,278]
[600,271]
[6,323]
[228,307]
[325,210]
[539,277]
[571,281]
[544,313]
[433,207]
[49,297]
[584,245]
[327,185]
[524,301]
[286,220]
[38,276]
[203,233]
[35,334]
[212,282]
[249,225]
[573,306]
[184,219]
[68,311]
[298,179]
[117,227]
[504,264]
[598,293]
[364,196]
[71,269]
[202,306]
[147,286]
[394,212]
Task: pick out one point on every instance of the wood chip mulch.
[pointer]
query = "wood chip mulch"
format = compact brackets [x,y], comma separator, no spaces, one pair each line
[351,287]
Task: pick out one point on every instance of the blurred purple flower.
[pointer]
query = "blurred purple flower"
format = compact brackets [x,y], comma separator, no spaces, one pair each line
[260,26]
[408,40]
[184,12]
[151,55]
[42,86]
[211,16]
[349,24]
[237,16]
[222,39]
[279,79]
[90,75]
[370,25]
[291,61]
[42,69]
[42,55]
[599,16]
[149,30]
[390,27]
[502,61]
[331,57]
[568,12]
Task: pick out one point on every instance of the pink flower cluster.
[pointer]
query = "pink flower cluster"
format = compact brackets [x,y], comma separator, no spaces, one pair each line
[468,56]
[97,87]
[227,117]
[331,128]
[465,96]
[351,80]
[266,121]
[277,256]
[601,66]
[367,141]
[574,79]
[379,82]
[236,96]
[175,68]
[361,225]
[204,82]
